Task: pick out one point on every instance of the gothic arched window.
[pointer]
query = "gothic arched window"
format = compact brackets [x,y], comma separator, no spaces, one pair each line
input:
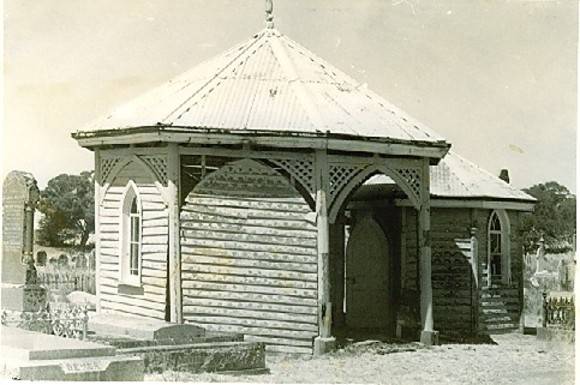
[130,237]
[498,247]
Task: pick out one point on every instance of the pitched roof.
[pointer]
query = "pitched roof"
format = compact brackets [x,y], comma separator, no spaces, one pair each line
[268,83]
[456,177]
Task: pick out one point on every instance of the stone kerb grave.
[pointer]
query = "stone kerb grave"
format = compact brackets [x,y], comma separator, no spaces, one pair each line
[19,291]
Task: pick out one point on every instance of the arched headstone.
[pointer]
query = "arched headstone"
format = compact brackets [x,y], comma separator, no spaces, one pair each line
[18,274]
[41,257]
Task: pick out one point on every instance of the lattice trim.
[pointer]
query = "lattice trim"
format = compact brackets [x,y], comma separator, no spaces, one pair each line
[107,165]
[340,175]
[413,178]
[300,169]
[158,164]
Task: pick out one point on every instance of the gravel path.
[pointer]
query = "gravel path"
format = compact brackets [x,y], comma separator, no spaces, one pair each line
[515,359]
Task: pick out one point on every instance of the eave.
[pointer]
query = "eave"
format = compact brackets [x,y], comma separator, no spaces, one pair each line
[434,150]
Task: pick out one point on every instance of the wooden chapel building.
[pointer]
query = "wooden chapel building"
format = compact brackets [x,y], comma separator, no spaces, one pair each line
[267,193]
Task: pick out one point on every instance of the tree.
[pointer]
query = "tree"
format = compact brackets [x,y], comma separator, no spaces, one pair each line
[554,216]
[67,203]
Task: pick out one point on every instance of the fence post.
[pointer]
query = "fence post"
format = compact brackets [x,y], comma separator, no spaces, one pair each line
[85,322]
[544,309]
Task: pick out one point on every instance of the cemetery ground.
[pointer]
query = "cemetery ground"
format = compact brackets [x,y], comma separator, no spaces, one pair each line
[510,359]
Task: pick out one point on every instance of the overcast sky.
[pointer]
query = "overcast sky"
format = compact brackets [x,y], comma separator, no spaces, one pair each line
[496,78]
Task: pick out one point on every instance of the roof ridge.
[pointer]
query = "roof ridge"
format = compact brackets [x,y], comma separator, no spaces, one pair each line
[217,74]
[303,93]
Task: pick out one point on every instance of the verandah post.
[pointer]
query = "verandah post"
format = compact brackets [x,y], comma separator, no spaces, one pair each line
[98,183]
[324,342]
[174,260]
[428,335]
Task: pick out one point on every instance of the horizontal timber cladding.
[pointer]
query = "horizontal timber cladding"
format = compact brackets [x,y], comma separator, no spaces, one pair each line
[248,257]
[451,275]
[151,301]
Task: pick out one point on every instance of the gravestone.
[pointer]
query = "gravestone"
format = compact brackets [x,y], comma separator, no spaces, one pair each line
[18,287]
[41,258]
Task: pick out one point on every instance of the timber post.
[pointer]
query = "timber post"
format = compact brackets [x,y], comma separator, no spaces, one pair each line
[428,335]
[174,260]
[98,183]
[324,342]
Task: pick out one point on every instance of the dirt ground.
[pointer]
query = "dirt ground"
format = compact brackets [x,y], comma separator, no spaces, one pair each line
[513,359]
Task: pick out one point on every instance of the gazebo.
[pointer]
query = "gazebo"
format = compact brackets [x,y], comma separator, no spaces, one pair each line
[273,127]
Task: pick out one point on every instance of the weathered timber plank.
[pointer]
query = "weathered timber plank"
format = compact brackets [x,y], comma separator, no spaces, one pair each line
[251,330]
[296,296]
[245,280]
[154,239]
[148,230]
[154,265]
[155,222]
[257,229]
[273,223]
[286,199]
[132,310]
[251,322]
[153,248]
[195,201]
[147,301]
[149,272]
[297,320]
[206,299]
[193,251]
[248,246]
[154,281]
[245,213]
[248,272]
[249,238]
[273,300]
[242,262]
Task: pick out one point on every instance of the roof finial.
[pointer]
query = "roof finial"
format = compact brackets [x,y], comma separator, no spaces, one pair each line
[269,16]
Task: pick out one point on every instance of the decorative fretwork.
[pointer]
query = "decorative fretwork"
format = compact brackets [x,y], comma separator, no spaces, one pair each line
[107,165]
[300,169]
[70,321]
[412,177]
[340,175]
[158,164]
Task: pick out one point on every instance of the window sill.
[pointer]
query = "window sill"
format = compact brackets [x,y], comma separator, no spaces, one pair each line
[130,288]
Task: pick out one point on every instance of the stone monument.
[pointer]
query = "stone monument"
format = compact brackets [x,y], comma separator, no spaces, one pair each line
[19,291]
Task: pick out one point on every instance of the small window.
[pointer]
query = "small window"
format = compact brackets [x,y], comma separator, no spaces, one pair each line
[130,238]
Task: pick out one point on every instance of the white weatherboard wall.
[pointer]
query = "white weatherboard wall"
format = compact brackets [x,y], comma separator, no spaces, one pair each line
[249,261]
[151,303]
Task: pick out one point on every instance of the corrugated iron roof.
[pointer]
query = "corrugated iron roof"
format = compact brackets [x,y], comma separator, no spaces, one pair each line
[268,83]
[456,177]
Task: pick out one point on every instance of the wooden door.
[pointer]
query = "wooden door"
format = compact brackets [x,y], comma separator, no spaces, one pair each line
[367,276]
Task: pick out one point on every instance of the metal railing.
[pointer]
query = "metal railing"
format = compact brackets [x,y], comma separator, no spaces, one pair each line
[558,312]
[69,322]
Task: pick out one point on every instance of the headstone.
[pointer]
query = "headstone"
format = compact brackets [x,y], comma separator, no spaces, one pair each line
[18,275]
[41,258]
[63,260]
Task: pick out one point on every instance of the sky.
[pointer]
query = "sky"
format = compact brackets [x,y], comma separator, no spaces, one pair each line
[496,78]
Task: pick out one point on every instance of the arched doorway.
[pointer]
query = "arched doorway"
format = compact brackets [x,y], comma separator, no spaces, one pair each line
[367,276]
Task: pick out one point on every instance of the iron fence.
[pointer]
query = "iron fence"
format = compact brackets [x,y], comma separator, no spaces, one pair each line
[70,322]
[558,312]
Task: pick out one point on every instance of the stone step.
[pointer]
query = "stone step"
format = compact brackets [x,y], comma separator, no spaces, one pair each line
[491,311]
[499,325]
[496,319]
